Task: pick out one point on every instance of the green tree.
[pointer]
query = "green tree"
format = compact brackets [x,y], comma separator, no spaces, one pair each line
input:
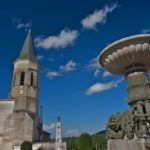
[26,145]
[40,148]
[85,142]
[99,142]
[72,143]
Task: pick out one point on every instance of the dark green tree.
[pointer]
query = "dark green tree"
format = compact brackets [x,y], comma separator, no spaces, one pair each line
[40,148]
[85,142]
[26,145]
[99,142]
[72,143]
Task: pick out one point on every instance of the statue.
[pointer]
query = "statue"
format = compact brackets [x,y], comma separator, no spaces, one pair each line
[133,122]
[114,130]
[128,124]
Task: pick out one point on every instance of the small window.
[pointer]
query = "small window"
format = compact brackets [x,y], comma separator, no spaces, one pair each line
[22,77]
[31,81]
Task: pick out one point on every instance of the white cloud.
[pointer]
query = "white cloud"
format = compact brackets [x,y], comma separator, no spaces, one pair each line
[53,74]
[96,67]
[62,40]
[47,127]
[144,31]
[98,17]
[73,131]
[39,57]
[106,74]
[70,66]
[24,25]
[99,87]
[94,64]
[97,72]
[19,24]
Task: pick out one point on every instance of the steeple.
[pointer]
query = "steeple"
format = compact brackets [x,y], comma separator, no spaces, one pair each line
[25,78]
[58,119]
[27,52]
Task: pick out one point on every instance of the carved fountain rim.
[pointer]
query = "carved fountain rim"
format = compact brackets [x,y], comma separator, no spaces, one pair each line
[120,44]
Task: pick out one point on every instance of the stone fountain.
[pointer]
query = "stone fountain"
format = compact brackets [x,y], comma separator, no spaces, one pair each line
[130,57]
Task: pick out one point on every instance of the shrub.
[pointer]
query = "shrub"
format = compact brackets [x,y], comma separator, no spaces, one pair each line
[26,145]
[85,142]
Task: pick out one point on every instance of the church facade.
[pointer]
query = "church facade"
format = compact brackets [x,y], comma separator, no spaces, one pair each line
[19,114]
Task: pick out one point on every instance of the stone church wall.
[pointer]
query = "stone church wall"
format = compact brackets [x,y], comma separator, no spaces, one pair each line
[0,141]
[36,129]
[18,128]
[6,108]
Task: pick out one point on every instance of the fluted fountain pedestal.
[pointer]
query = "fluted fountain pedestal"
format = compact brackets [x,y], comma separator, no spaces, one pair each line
[130,57]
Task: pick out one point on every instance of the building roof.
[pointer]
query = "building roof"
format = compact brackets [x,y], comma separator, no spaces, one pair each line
[46,132]
[27,52]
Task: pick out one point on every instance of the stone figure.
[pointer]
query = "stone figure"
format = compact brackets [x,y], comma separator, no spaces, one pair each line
[114,130]
[133,122]
[128,124]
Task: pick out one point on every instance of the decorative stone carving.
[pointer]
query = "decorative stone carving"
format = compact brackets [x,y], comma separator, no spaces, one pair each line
[114,130]
[118,56]
[130,57]
[133,122]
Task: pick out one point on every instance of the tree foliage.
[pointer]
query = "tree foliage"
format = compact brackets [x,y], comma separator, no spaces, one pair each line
[85,142]
[40,148]
[72,143]
[26,145]
[98,140]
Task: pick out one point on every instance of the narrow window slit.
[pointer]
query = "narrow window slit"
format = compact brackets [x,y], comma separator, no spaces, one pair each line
[31,81]
[22,77]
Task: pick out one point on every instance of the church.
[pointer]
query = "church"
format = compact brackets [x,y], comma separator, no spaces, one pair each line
[19,114]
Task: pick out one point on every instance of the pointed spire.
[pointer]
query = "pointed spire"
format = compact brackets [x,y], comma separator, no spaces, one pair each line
[27,52]
[58,119]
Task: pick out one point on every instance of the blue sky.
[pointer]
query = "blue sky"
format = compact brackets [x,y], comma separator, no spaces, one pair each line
[69,35]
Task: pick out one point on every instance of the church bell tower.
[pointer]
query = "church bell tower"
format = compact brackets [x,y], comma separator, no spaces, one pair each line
[23,124]
[25,78]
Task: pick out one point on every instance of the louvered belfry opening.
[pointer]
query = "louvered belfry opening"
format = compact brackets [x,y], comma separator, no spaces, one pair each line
[31,81]
[22,77]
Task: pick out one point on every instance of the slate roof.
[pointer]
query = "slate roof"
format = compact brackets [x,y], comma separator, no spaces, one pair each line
[27,52]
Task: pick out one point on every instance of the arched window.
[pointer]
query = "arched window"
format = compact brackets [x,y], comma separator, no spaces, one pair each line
[22,77]
[31,81]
